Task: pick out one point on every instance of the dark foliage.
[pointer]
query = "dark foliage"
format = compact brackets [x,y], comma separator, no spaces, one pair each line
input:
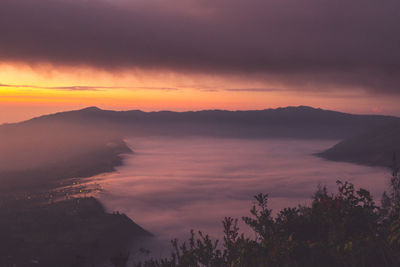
[342,229]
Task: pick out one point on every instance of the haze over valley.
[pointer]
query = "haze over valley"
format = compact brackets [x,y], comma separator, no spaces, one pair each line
[203,159]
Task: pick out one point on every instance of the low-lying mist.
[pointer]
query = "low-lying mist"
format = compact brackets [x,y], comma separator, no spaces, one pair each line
[172,185]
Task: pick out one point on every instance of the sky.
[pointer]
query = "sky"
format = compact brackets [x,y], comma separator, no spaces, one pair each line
[180,55]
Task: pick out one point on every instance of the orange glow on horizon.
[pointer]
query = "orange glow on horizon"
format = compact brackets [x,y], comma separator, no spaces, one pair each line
[27,91]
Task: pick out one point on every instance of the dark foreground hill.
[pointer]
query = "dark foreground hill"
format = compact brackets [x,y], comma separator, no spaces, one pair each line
[75,232]
[374,147]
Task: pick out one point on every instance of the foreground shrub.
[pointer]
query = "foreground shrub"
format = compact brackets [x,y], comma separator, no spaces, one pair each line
[342,229]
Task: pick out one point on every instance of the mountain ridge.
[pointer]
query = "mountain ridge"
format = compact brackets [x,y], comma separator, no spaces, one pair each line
[287,122]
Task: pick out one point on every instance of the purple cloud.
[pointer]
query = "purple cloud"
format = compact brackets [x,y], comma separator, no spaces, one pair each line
[312,42]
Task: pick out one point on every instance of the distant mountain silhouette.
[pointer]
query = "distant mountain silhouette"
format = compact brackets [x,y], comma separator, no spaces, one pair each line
[289,122]
[374,147]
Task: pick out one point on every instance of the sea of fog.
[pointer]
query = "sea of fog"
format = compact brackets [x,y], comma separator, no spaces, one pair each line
[172,185]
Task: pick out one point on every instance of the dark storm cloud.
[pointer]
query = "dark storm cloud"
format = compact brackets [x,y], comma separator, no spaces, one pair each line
[300,43]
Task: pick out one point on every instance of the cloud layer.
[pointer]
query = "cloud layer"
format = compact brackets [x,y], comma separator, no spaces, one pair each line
[86,88]
[317,43]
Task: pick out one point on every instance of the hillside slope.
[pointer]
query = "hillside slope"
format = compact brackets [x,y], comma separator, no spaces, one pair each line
[374,147]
